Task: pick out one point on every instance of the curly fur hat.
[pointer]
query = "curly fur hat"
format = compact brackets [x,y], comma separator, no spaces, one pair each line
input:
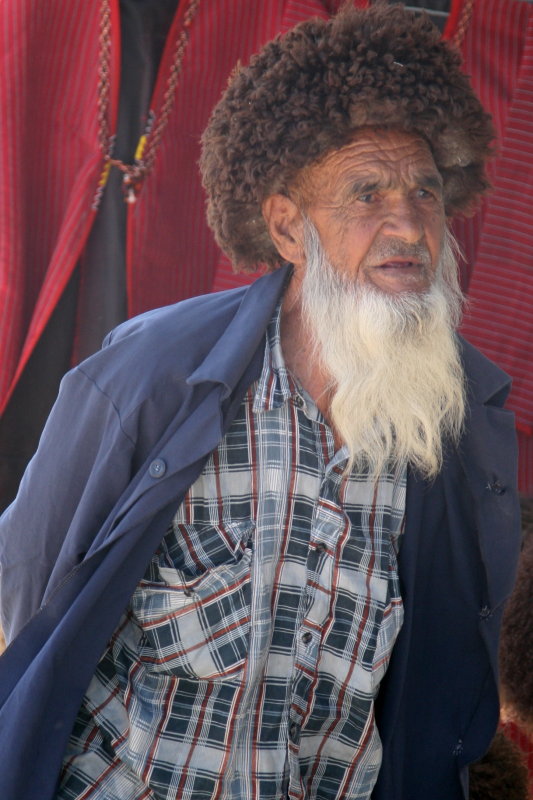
[307,92]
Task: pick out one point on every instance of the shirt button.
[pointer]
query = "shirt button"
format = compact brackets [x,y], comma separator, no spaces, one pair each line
[294,732]
[306,637]
[157,468]
[299,401]
[321,547]
[458,749]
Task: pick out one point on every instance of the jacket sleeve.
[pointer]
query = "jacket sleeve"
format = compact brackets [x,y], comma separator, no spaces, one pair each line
[81,467]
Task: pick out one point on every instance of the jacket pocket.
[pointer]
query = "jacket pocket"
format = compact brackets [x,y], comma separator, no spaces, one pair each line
[196,626]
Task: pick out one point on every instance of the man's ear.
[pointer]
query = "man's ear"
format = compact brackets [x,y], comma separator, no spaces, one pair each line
[285,225]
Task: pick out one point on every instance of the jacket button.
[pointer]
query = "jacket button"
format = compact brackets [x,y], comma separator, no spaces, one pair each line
[496,487]
[157,468]
[485,612]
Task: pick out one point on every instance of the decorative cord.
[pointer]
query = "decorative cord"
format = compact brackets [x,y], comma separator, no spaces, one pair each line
[464,22]
[135,173]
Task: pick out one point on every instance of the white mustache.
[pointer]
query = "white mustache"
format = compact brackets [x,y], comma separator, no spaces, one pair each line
[384,250]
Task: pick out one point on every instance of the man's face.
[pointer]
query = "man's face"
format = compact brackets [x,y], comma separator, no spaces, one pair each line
[378,208]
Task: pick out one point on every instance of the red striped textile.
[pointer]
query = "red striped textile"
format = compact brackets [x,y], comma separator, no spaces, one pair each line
[498,241]
[52,163]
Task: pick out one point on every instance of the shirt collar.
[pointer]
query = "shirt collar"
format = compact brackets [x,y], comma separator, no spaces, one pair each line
[275,385]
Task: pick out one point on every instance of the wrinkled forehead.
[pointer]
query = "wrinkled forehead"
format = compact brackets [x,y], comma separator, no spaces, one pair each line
[374,157]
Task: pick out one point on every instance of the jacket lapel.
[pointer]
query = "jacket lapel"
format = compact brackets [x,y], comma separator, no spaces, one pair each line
[214,392]
[489,456]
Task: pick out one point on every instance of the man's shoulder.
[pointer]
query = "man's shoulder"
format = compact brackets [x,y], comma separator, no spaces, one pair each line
[160,349]
[196,320]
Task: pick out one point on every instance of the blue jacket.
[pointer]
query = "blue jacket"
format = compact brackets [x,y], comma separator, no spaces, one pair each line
[130,432]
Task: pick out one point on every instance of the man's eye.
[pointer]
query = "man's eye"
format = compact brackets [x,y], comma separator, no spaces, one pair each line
[424,193]
[366,198]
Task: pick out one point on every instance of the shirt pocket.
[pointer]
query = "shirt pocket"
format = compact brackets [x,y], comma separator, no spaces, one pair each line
[197,626]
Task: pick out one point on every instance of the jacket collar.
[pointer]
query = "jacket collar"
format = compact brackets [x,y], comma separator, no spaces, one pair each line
[487,383]
[244,334]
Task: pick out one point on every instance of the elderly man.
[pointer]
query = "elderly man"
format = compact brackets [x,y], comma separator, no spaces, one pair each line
[263,548]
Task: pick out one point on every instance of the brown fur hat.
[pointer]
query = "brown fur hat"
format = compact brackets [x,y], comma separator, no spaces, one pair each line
[306,93]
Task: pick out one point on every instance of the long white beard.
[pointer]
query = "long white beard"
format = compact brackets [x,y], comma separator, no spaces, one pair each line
[397,384]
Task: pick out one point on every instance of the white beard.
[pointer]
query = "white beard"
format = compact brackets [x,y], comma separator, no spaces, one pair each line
[397,384]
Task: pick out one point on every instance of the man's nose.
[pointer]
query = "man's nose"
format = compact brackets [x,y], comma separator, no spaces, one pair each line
[403,221]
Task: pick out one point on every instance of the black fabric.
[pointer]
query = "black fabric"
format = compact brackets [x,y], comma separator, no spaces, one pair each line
[103,299]
[446,550]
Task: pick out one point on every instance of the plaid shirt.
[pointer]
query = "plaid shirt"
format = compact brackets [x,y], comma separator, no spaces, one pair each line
[250,655]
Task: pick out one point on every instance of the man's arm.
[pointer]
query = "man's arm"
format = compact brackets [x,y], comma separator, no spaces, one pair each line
[81,468]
